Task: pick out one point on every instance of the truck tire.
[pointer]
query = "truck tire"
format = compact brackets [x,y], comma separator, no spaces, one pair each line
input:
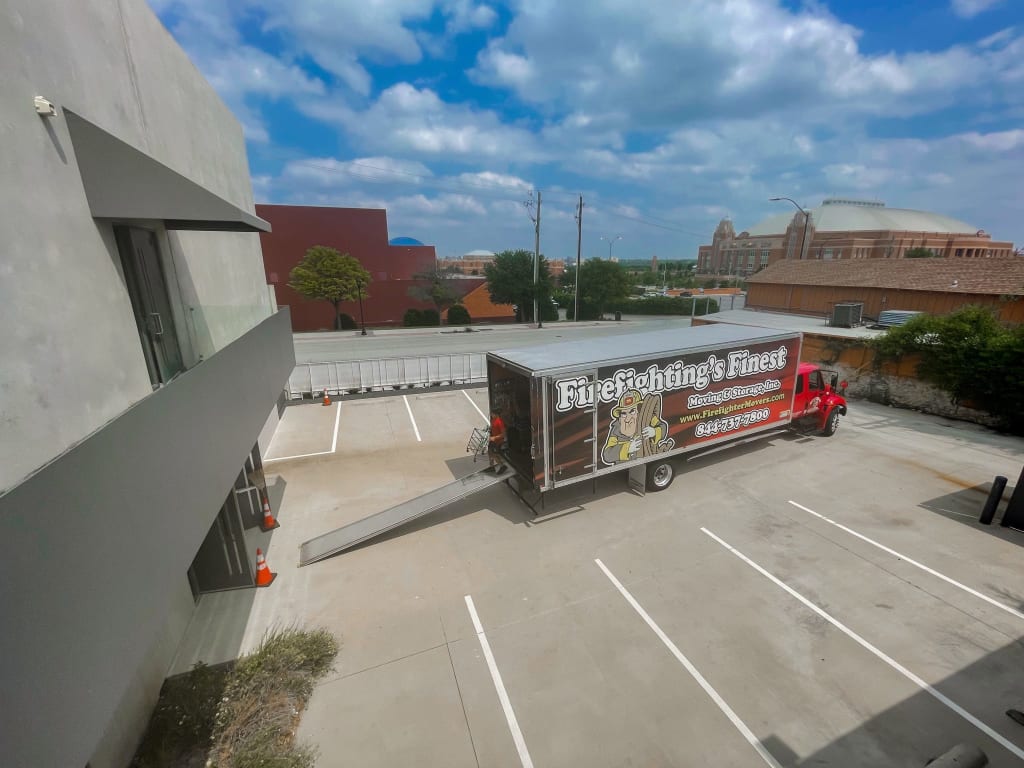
[831,423]
[660,475]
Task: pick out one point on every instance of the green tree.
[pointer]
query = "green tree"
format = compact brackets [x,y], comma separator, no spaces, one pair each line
[510,281]
[919,253]
[970,355]
[567,279]
[603,282]
[438,285]
[324,274]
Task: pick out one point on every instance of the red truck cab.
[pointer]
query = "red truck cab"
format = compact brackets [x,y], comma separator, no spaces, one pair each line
[818,399]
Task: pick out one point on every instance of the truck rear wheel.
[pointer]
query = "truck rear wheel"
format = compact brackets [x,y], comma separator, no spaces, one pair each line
[831,423]
[660,475]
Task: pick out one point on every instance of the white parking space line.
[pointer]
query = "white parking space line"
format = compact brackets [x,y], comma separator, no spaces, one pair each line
[506,705]
[912,562]
[482,414]
[334,442]
[1009,745]
[749,735]
[413,420]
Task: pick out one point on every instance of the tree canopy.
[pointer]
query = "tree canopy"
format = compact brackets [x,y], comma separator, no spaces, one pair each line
[510,281]
[325,274]
[439,287]
[970,355]
[603,282]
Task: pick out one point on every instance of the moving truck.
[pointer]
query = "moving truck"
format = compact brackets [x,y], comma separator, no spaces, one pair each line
[637,402]
[578,410]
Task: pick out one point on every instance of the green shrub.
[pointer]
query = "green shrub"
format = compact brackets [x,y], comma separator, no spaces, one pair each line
[431,317]
[182,723]
[969,355]
[242,715]
[565,299]
[666,305]
[458,315]
[588,310]
[348,323]
[413,318]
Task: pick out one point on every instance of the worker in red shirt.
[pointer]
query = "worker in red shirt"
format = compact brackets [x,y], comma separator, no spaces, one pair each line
[495,442]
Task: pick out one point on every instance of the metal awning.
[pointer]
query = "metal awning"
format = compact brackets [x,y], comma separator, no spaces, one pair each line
[122,182]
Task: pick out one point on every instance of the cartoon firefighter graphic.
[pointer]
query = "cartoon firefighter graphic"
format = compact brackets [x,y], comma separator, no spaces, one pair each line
[637,429]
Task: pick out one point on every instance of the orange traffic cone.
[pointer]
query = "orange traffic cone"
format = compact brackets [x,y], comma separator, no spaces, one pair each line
[264,578]
[269,523]
[327,398]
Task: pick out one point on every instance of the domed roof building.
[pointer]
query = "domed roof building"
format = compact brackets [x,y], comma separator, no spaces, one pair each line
[404,241]
[842,228]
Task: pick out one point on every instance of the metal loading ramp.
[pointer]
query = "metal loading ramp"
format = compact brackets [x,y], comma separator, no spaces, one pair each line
[355,533]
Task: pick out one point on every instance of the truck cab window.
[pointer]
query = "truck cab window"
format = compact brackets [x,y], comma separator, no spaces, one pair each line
[799,384]
[814,381]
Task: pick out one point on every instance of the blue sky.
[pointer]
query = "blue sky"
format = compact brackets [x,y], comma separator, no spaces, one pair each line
[665,115]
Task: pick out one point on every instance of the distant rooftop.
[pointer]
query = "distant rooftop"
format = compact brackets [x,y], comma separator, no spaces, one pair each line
[847,215]
[479,255]
[404,241]
[1000,277]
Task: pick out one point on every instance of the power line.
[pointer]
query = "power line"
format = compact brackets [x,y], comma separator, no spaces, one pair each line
[494,191]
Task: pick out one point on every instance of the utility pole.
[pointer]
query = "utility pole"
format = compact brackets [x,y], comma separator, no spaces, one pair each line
[536,252]
[579,246]
[536,266]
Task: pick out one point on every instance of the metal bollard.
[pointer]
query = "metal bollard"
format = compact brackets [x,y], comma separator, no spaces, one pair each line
[1015,509]
[994,497]
[960,756]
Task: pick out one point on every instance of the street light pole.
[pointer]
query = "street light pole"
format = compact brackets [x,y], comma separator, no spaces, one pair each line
[362,320]
[807,216]
[611,242]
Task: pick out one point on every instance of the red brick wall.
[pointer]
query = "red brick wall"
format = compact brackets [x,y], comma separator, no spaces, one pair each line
[359,232]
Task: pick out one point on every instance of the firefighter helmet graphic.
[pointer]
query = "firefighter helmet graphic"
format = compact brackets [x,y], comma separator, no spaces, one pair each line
[637,429]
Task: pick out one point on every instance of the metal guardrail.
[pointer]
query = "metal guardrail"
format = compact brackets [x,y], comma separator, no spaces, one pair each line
[353,376]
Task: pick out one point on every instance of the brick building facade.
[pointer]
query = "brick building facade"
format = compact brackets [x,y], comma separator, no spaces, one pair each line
[843,229]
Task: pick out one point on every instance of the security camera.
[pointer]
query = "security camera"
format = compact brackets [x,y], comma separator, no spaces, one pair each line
[44,107]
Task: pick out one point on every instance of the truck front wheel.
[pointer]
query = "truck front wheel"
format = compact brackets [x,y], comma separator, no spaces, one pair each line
[660,475]
[831,423]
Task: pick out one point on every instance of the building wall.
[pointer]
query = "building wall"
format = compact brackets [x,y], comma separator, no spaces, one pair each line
[818,300]
[72,356]
[107,487]
[743,254]
[360,232]
[95,548]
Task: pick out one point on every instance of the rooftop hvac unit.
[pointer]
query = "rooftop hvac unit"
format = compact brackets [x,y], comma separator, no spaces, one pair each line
[847,314]
[891,317]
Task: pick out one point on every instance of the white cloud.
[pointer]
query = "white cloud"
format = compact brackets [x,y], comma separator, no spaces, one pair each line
[677,112]
[663,63]
[971,8]
[405,118]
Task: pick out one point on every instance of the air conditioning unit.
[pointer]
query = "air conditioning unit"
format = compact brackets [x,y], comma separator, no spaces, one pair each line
[847,314]
[892,317]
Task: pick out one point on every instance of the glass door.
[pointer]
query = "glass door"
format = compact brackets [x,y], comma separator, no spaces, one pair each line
[146,282]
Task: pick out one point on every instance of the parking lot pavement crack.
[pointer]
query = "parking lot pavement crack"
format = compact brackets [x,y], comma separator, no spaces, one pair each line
[462,703]
[353,673]
[804,523]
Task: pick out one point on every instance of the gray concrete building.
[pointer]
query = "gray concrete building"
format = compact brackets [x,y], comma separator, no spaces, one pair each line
[142,361]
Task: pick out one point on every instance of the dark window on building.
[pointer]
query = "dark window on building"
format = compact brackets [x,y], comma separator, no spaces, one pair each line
[147,287]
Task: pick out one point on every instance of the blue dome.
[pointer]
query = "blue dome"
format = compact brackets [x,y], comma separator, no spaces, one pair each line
[404,241]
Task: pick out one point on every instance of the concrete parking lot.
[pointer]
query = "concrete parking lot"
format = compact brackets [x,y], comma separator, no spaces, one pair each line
[799,601]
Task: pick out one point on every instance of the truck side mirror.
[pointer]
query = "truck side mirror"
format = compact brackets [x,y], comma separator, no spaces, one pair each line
[835,381]
[844,384]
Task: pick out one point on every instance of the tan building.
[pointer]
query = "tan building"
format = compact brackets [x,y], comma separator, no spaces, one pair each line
[935,286]
[474,263]
[843,229]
